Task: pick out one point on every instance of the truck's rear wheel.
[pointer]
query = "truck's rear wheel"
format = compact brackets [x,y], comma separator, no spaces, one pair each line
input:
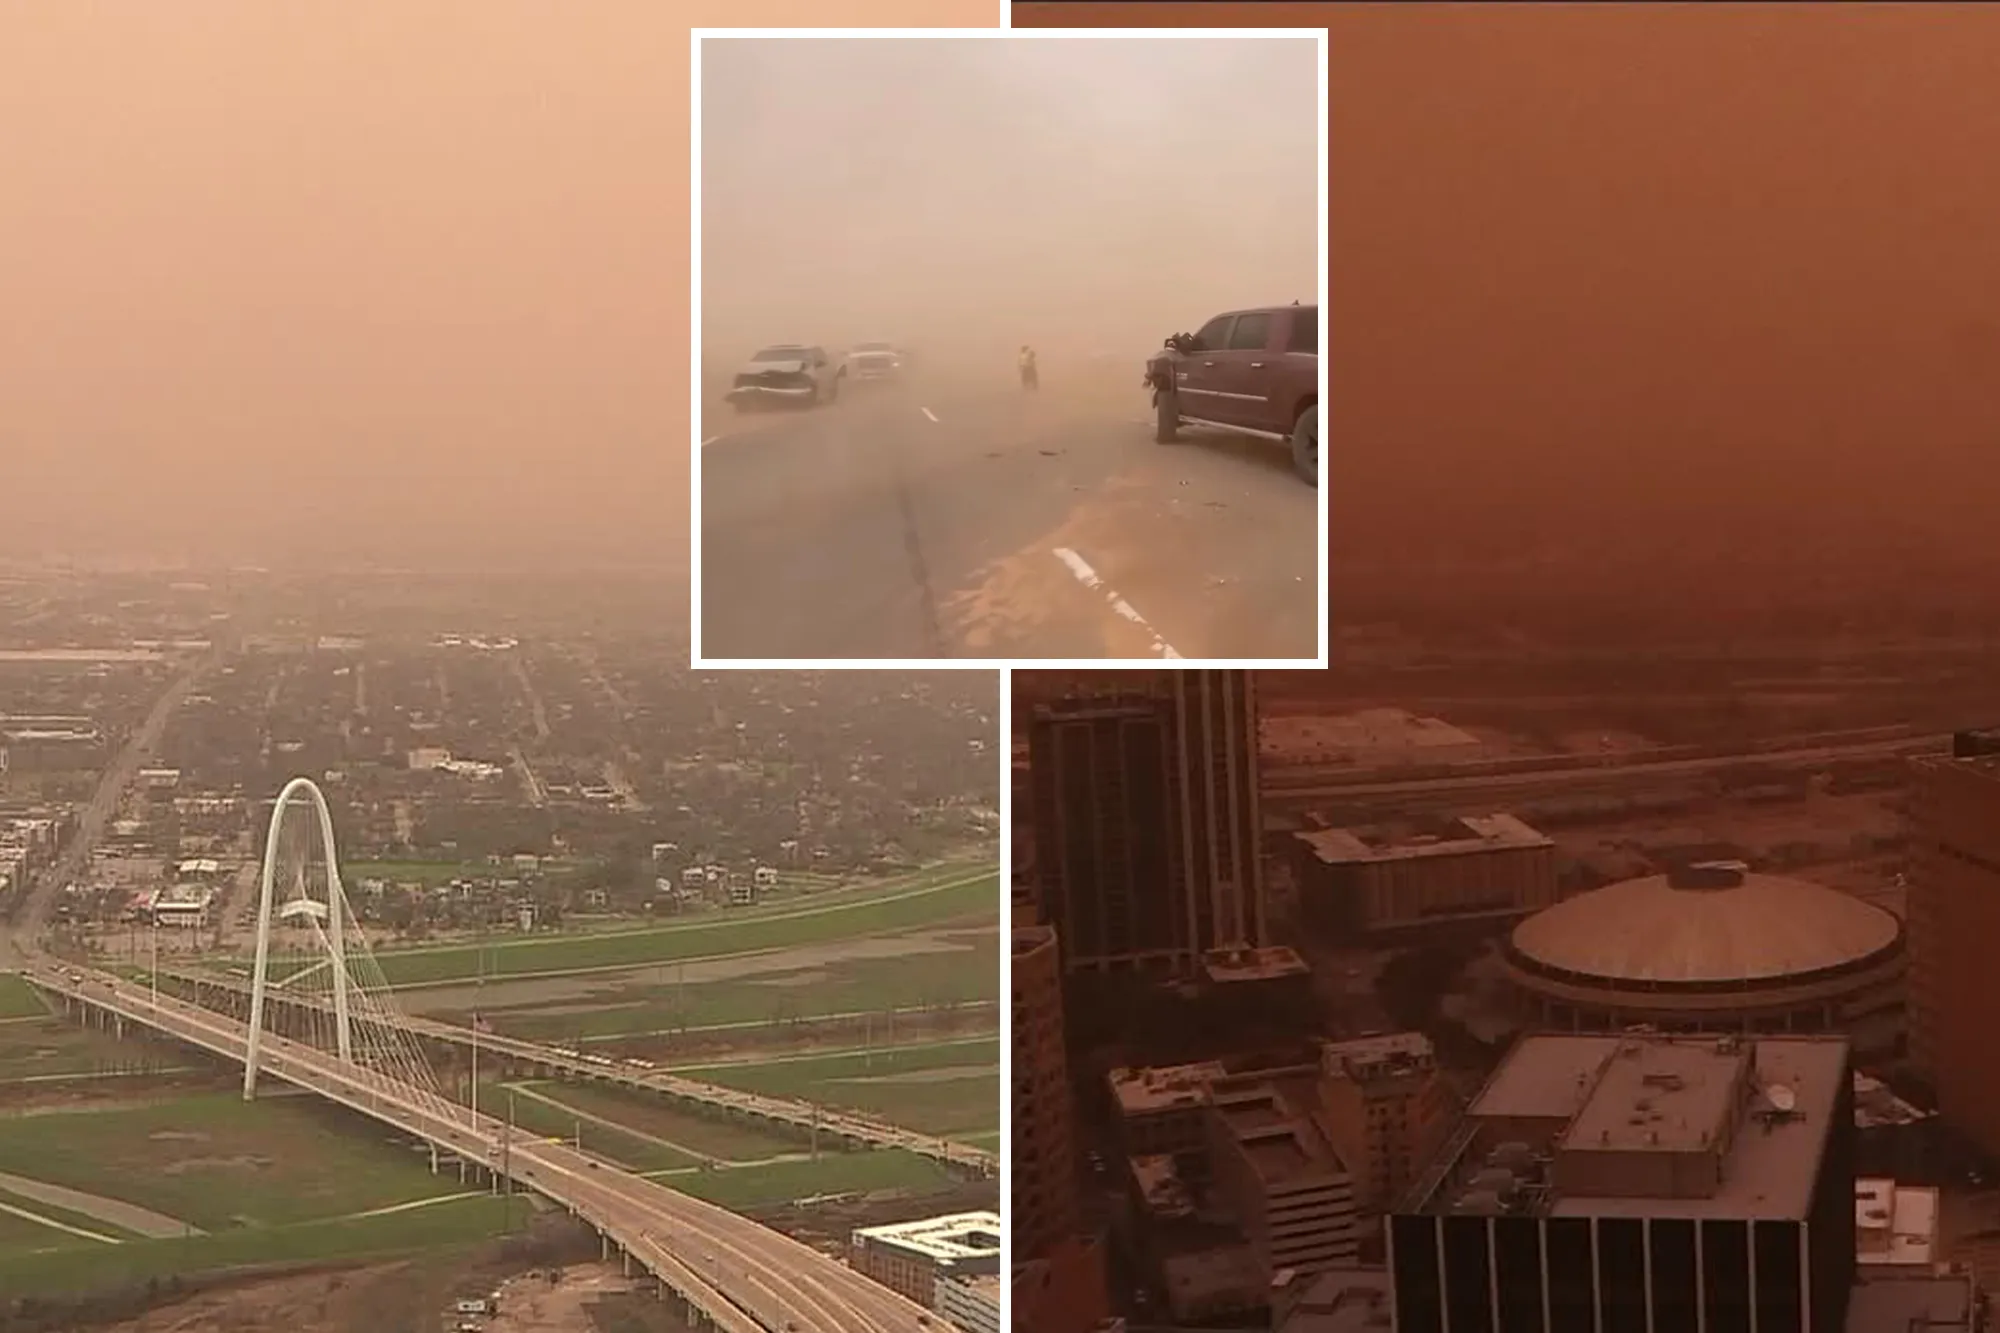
[1305,446]
[1167,418]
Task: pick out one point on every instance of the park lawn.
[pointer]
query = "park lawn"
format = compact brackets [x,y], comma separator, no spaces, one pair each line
[18,999]
[535,1116]
[656,1116]
[976,896]
[771,1183]
[870,985]
[49,1047]
[97,1268]
[219,1162]
[861,1081]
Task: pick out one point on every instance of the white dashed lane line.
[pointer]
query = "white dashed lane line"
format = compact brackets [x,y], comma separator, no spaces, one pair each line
[927,412]
[711,440]
[1087,576]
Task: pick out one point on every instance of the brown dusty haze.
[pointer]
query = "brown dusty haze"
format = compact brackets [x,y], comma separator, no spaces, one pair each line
[1666,312]
[379,283]
[968,196]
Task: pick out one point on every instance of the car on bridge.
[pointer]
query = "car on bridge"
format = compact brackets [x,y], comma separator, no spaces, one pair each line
[1249,372]
[797,373]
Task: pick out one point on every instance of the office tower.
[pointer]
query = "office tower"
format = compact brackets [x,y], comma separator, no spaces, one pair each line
[1215,758]
[1954,910]
[1639,1184]
[1042,1148]
[1144,804]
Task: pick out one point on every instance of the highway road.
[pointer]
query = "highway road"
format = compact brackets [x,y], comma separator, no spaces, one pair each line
[748,1277]
[797,1114]
[933,520]
[1280,785]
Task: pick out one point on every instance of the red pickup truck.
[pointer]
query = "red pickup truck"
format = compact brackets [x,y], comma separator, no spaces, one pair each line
[1250,372]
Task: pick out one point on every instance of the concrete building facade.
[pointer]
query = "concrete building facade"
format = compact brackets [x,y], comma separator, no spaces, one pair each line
[1386,1107]
[1954,914]
[1639,1184]
[913,1258]
[1398,878]
[1044,1208]
[1144,802]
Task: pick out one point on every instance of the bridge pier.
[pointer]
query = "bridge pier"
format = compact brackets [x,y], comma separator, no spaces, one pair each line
[434,1159]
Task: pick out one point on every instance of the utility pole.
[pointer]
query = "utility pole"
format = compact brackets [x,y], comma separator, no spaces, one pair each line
[156,962]
[478,991]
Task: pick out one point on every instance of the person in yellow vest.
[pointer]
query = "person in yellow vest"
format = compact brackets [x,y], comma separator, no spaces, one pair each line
[1029,380]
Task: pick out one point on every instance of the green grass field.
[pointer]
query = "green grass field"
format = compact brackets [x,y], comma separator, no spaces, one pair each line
[47,1048]
[86,1266]
[18,999]
[970,896]
[536,1113]
[872,985]
[833,1173]
[218,1162]
[659,1118]
[879,1082]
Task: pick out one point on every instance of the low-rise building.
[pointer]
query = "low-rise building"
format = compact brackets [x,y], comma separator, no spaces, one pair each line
[1386,1107]
[1401,877]
[1284,1182]
[912,1257]
[971,1304]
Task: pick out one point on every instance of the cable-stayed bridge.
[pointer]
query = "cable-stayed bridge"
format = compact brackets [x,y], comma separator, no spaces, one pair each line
[344,1041]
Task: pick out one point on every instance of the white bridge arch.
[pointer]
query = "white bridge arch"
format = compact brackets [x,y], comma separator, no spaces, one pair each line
[336,914]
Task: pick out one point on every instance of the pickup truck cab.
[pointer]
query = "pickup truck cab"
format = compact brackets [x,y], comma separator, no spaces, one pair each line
[1250,372]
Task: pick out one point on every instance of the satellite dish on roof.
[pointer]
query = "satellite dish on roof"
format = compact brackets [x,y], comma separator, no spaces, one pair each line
[1781,1097]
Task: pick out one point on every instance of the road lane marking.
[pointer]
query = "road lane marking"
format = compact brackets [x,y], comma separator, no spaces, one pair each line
[1087,576]
[710,440]
[927,412]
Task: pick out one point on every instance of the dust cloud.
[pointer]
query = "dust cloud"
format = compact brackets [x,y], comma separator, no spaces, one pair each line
[964,197]
[1668,311]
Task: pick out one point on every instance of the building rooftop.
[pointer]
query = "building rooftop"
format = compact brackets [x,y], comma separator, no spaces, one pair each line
[1164,1088]
[1648,1125]
[1269,963]
[1894,1224]
[1895,1298]
[1338,1300]
[1282,1146]
[946,1239]
[1682,929]
[1380,1055]
[1402,842]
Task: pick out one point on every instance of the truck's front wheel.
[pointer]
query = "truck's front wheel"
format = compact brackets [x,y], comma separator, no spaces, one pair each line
[1305,446]
[1166,417]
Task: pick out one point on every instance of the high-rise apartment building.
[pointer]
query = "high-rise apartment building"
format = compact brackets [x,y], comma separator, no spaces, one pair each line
[1639,1184]
[1042,1149]
[1145,811]
[1954,910]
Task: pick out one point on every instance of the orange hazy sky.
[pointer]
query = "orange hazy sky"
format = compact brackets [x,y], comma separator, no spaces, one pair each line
[1663,271]
[342,280]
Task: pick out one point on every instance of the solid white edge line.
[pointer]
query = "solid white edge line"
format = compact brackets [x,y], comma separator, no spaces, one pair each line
[1084,574]
[927,412]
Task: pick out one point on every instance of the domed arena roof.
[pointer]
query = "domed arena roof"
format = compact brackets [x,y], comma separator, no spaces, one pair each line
[1711,925]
